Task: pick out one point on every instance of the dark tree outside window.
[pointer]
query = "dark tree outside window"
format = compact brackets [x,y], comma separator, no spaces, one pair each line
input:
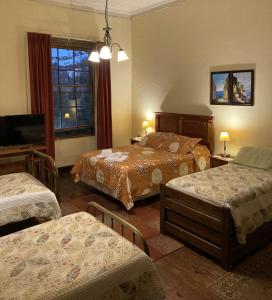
[73,80]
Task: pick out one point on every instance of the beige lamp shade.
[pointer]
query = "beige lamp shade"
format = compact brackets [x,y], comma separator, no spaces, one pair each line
[145,124]
[66,116]
[224,136]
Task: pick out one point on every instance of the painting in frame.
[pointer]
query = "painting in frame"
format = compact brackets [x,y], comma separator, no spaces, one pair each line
[232,88]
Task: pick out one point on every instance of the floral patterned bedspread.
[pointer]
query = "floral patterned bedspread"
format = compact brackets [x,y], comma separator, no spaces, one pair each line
[246,191]
[22,196]
[141,173]
[75,257]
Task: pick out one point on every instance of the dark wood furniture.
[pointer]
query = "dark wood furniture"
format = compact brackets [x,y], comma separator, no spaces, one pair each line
[189,125]
[217,161]
[20,150]
[206,226]
[8,166]
[135,140]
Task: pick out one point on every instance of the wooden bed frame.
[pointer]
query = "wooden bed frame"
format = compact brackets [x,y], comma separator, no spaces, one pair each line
[189,125]
[93,208]
[205,226]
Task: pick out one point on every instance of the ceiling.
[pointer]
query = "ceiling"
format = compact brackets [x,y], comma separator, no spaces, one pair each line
[116,7]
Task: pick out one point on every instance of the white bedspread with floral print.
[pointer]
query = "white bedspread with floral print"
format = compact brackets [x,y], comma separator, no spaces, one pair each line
[75,257]
[22,196]
[246,191]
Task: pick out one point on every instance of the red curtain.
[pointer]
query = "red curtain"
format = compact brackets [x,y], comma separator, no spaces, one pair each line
[41,85]
[104,118]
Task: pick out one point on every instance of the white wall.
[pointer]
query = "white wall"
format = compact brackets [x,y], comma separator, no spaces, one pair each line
[17,17]
[175,49]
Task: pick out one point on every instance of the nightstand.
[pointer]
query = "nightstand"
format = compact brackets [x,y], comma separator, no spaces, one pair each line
[217,161]
[135,140]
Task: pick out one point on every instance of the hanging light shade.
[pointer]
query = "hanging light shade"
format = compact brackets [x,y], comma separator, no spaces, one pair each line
[94,56]
[106,51]
[122,55]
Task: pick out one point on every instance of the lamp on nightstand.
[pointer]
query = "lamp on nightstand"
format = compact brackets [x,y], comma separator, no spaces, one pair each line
[224,137]
[145,126]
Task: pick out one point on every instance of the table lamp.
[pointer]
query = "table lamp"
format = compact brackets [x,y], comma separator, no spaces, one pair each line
[145,126]
[224,137]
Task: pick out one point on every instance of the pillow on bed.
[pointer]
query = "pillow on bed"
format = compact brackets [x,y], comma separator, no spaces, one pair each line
[178,143]
[152,139]
[260,158]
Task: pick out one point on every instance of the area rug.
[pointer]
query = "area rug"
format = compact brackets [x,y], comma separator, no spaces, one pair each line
[251,280]
[145,216]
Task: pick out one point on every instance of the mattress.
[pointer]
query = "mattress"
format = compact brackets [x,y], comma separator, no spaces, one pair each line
[75,257]
[22,196]
[140,174]
[246,191]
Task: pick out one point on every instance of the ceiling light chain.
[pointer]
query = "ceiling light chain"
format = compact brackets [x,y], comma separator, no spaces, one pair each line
[106,51]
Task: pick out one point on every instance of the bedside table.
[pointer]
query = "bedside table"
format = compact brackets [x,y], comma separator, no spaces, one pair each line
[135,140]
[217,161]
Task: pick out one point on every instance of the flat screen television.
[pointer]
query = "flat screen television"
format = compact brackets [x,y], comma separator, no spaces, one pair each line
[22,130]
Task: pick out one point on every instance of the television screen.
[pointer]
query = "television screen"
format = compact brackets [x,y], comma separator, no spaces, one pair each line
[22,130]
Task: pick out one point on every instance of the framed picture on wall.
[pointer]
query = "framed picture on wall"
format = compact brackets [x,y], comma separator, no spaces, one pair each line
[220,88]
[232,88]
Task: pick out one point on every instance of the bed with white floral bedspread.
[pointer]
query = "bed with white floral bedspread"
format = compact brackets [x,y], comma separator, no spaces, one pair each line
[246,191]
[75,257]
[22,196]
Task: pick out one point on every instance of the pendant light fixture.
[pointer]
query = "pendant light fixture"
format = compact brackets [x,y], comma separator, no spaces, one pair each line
[106,51]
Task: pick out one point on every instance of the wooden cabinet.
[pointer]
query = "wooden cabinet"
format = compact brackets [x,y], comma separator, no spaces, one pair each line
[217,161]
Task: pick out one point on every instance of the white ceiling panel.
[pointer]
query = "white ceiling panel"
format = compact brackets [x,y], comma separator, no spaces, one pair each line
[116,7]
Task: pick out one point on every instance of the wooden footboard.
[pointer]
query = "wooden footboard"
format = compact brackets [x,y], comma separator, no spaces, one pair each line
[207,227]
[93,207]
[43,167]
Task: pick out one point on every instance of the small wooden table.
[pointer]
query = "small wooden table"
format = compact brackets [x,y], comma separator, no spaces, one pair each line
[135,140]
[217,161]
[11,166]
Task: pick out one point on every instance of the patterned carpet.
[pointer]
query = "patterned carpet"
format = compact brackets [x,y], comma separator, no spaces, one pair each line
[251,280]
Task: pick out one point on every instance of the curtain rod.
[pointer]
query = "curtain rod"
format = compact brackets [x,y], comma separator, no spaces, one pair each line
[69,37]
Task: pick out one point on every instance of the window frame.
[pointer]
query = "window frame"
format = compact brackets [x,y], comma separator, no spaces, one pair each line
[78,45]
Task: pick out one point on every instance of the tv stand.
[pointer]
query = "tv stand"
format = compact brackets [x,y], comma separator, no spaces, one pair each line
[20,150]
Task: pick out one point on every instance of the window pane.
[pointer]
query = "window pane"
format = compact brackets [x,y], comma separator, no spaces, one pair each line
[66,61]
[82,78]
[54,58]
[57,118]
[55,77]
[81,60]
[56,97]
[68,118]
[83,96]
[66,77]
[67,96]
[83,116]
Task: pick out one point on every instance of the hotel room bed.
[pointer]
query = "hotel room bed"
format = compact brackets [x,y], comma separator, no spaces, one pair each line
[225,211]
[23,196]
[75,257]
[153,161]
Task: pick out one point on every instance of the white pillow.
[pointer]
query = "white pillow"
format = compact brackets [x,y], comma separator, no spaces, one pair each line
[254,157]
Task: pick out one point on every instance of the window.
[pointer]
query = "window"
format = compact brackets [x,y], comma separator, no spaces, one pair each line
[73,80]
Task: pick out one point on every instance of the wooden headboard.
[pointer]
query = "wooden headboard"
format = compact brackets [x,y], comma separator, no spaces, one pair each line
[188,125]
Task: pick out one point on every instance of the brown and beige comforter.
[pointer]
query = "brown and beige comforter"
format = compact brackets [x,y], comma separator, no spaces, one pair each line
[140,170]
[22,196]
[246,191]
[75,257]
